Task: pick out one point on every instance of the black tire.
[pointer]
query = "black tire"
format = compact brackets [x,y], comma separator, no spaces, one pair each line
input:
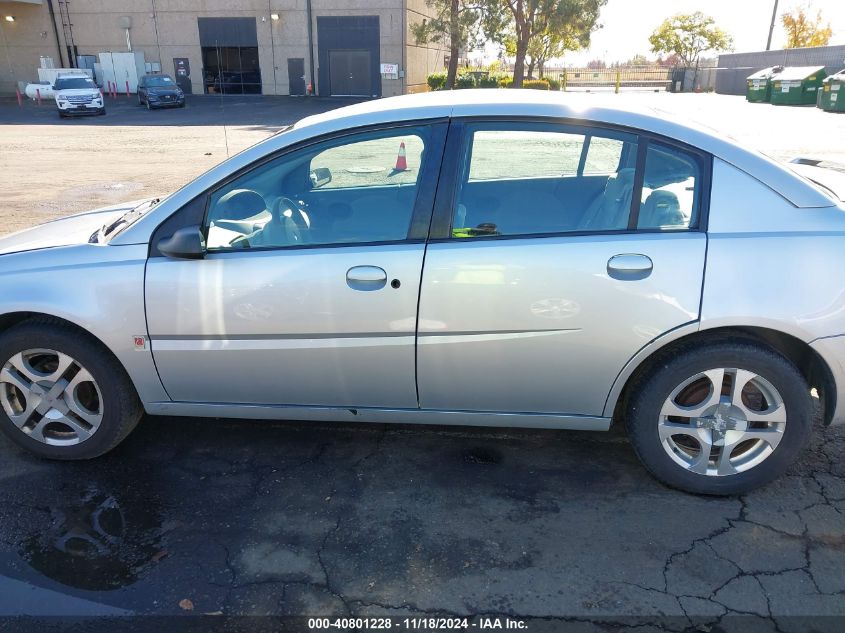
[669,372]
[101,112]
[120,404]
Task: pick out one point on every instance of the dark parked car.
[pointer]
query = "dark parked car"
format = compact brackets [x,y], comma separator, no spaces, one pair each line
[159,91]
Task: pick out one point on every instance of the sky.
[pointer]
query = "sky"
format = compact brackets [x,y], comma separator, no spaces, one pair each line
[628,23]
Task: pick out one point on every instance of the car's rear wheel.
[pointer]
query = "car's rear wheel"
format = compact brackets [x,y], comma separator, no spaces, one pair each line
[62,395]
[720,419]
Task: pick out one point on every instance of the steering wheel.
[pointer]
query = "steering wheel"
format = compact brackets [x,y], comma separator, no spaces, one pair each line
[292,218]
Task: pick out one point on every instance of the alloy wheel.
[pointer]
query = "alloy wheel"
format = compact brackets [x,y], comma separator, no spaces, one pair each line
[51,397]
[722,421]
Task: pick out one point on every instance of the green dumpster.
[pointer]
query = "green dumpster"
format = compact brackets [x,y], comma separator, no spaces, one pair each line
[759,88]
[832,94]
[797,85]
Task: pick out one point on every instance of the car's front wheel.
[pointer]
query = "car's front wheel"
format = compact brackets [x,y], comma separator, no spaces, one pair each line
[63,395]
[721,418]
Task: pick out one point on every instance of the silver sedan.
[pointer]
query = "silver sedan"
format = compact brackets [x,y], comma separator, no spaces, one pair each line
[499,258]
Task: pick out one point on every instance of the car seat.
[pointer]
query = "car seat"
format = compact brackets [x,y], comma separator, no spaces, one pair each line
[610,210]
[661,209]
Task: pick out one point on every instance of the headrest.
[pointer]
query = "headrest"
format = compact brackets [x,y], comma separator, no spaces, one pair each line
[619,185]
[239,204]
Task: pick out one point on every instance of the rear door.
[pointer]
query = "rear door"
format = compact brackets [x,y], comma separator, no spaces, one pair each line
[556,254]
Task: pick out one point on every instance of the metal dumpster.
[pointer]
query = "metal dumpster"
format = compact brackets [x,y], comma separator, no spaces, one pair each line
[759,84]
[832,94]
[797,85]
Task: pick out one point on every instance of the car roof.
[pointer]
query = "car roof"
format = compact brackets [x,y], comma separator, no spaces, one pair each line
[585,108]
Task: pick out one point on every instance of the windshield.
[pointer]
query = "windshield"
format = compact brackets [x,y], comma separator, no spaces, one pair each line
[159,81]
[73,83]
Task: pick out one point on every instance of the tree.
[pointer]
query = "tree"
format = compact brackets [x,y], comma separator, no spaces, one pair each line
[457,22]
[802,30]
[637,60]
[688,36]
[566,23]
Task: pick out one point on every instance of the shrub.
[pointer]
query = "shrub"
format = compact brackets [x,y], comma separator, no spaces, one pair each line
[488,81]
[464,81]
[436,81]
[554,84]
[536,84]
[505,82]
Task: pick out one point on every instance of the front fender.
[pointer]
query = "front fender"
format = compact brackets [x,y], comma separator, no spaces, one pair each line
[97,288]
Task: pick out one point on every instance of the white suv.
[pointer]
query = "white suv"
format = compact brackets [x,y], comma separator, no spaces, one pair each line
[76,93]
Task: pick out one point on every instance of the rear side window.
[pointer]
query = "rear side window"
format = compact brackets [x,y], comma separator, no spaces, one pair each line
[671,180]
[543,179]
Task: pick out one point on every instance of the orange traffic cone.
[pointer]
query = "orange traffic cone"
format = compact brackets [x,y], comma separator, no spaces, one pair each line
[401,161]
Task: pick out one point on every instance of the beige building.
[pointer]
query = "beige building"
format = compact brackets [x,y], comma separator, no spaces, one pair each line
[347,47]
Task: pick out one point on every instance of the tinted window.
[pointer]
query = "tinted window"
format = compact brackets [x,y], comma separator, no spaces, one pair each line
[670,187]
[533,179]
[72,83]
[343,191]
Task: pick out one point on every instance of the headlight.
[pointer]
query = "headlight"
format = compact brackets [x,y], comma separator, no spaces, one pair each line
[61,98]
[179,93]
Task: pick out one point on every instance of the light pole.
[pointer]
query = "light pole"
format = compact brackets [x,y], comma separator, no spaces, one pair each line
[772,26]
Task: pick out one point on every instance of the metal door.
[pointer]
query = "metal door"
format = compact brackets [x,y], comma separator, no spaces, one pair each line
[296,76]
[349,72]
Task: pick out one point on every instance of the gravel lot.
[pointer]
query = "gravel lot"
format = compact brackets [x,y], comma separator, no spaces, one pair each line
[260,518]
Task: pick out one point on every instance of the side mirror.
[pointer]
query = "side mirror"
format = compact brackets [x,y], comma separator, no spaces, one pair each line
[320,176]
[186,243]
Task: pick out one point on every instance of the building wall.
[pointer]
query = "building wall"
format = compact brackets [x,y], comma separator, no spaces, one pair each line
[22,42]
[167,29]
[423,58]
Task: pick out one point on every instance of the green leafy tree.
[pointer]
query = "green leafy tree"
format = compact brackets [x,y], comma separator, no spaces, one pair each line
[688,35]
[803,30]
[547,26]
[456,22]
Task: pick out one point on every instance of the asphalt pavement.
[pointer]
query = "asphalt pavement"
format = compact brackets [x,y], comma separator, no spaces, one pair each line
[242,518]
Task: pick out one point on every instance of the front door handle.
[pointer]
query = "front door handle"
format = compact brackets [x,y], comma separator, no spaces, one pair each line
[366,278]
[629,266]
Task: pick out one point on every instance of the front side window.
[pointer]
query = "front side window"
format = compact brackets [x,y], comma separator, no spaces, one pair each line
[355,189]
[532,179]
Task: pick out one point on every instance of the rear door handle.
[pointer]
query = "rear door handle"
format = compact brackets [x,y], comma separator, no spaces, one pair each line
[366,278]
[629,266]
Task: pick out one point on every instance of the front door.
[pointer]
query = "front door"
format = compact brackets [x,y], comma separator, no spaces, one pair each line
[560,258]
[350,73]
[308,293]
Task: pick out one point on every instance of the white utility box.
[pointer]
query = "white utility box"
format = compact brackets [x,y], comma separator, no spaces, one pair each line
[120,68]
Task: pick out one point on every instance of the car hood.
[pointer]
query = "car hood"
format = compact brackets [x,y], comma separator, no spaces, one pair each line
[74,229]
